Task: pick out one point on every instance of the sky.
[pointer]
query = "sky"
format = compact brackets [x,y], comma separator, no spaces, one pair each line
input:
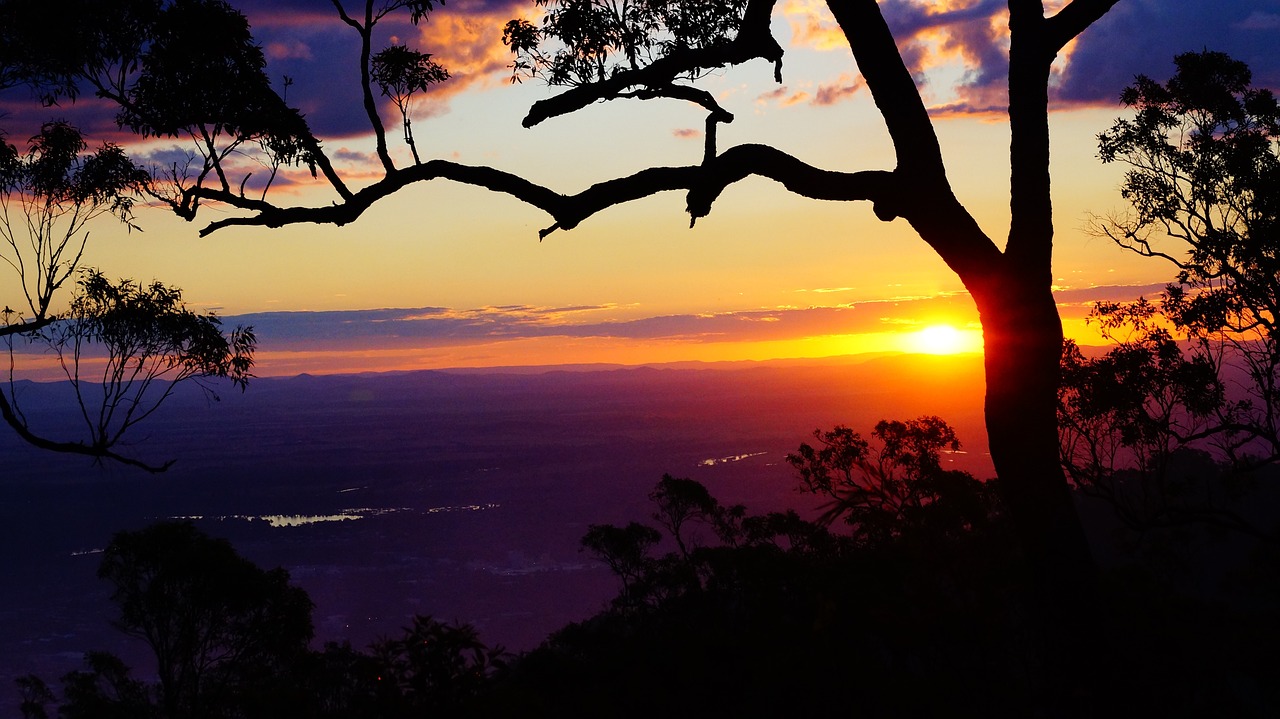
[442,275]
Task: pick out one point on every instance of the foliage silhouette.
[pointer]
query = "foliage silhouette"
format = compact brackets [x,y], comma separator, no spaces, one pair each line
[49,195]
[1170,425]
[899,487]
[400,73]
[775,616]
[230,642]
[215,621]
[435,668]
[789,617]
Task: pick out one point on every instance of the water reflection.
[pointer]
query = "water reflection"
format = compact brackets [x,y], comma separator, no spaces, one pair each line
[731,458]
[342,515]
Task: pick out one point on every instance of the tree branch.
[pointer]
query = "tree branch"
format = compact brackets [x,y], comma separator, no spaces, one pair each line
[20,427]
[754,40]
[921,194]
[23,328]
[704,182]
[697,96]
[1072,20]
[893,89]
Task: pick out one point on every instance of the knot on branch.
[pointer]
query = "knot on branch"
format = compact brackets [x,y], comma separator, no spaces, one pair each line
[886,211]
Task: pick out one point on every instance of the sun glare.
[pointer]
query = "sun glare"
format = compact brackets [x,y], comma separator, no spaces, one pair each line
[945,340]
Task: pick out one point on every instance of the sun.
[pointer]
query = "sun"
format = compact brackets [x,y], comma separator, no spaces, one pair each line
[945,340]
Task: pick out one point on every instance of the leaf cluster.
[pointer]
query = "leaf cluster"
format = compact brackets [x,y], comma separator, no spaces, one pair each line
[230,642]
[400,72]
[583,41]
[55,173]
[141,324]
[1195,374]
[202,74]
[898,486]
[1204,157]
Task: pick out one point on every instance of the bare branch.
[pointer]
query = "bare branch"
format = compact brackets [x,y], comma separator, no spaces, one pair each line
[697,96]
[893,89]
[704,182]
[20,427]
[1072,20]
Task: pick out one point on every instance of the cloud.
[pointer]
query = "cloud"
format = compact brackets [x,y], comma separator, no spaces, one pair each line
[295,49]
[841,89]
[1259,20]
[783,96]
[21,116]
[1142,36]
[687,133]
[813,26]
[824,95]
[308,42]
[1135,37]
[446,327]
[1105,293]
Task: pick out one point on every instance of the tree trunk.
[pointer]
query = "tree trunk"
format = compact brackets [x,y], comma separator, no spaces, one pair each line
[1023,344]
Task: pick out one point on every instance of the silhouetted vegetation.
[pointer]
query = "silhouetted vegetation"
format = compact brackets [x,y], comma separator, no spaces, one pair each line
[921,591]
[908,597]
[1175,423]
[122,346]
[230,640]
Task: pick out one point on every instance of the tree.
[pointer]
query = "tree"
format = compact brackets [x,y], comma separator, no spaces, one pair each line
[626,551]
[657,51]
[218,625]
[1204,188]
[677,502]
[105,691]
[1196,374]
[434,668]
[899,489]
[49,195]
[400,73]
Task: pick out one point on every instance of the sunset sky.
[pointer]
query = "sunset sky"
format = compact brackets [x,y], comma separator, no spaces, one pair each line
[443,275]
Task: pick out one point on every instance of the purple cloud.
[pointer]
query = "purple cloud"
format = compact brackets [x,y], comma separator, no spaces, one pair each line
[1142,36]
[1135,37]
[438,326]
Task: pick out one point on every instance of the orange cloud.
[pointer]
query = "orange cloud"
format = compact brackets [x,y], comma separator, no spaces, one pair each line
[469,43]
[843,88]
[687,133]
[783,96]
[813,26]
[931,35]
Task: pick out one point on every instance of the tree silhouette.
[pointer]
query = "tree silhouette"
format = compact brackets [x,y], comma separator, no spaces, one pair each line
[1198,372]
[433,667]
[49,195]
[898,489]
[679,501]
[216,623]
[400,73]
[230,642]
[657,51]
[105,691]
[626,551]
